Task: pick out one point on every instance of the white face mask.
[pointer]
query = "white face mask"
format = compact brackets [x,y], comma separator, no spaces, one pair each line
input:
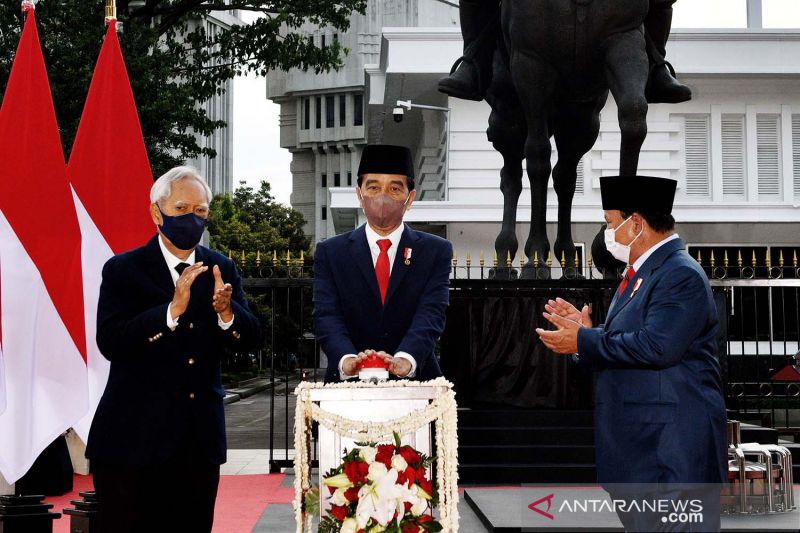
[621,252]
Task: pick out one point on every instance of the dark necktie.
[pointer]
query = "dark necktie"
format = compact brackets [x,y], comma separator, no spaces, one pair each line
[180,267]
[382,267]
[629,273]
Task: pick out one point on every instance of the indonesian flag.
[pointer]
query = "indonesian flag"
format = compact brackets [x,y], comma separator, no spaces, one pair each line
[2,371]
[44,346]
[111,179]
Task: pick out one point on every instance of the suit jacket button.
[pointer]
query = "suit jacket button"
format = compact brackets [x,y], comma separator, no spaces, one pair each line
[191,361]
[191,325]
[191,396]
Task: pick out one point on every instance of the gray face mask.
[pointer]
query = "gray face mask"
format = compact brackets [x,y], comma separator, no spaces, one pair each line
[384,211]
[621,252]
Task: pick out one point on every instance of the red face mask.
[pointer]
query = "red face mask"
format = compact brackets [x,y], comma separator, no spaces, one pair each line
[383,211]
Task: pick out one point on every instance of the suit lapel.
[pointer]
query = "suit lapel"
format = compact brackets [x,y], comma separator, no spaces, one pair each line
[362,257]
[409,239]
[156,266]
[650,265]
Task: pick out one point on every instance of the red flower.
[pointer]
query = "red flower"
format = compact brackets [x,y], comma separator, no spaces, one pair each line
[402,479]
[424,518]
[410,475]
[410,455]
[420,473]
[339,512]
[356,471]
[410,527]
[426,485]
[384,455]
[407,505]
[351,494]
[331,490]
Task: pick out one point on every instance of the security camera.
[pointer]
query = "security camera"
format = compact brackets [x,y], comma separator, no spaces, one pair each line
[398,113]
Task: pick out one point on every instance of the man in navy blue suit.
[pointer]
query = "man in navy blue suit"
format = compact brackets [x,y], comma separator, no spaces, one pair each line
[167,312]
[659,409]
[382,287]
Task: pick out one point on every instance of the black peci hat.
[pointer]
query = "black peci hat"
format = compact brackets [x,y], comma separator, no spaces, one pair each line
[387,159]
[643,194]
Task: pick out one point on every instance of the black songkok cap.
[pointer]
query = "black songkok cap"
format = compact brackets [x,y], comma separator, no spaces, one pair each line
[387,159]
[641,194]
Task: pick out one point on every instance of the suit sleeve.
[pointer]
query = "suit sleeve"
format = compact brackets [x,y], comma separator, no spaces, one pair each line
[120,331]
[245,331]
[429,318]
[671,323]
[329,324]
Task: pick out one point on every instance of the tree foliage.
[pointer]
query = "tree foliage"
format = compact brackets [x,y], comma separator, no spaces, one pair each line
[174,64]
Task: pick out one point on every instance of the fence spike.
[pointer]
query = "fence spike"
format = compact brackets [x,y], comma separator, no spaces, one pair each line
[739,259]
[712,259]
[522,260]
[469,259]
[725,259]
[230,253]
[549,259]
[699,257]
[258,258]
[455,259]
[753,262]
[767,258]
[780,259]
[536,259]
[508,259]
[794,259]
[274,258]
[590,262]
[243,259]
[494,259]
[563,260]
[577,260]
[482,259]
[302,258]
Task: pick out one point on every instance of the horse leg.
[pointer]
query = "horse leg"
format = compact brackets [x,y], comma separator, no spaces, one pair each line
[576,129]
[537,80]
[626,71]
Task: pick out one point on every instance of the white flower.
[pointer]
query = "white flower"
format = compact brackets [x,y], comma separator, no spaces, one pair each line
[377,471]
[368,454]
[378,500]
[338,498]
[418,508]
[399,464]
[350,525]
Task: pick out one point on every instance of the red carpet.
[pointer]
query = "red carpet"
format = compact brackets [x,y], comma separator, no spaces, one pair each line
[240,501]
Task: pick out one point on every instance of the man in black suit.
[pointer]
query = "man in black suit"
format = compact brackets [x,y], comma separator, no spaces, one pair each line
[166,313]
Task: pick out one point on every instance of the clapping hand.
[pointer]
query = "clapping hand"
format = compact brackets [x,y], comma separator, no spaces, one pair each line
[568,320]
[183,287]
[221,302]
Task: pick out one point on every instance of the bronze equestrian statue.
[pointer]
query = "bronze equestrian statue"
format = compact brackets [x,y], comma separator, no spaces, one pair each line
[546,67]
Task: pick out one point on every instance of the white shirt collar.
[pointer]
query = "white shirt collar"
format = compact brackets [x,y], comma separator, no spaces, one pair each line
[642,258]
[173,261]
[373,237]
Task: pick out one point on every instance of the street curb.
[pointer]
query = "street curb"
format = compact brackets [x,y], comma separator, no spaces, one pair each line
[234,395]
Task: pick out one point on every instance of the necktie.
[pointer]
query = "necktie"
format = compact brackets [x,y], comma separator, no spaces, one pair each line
[629,273]
[180,267]
[382,267]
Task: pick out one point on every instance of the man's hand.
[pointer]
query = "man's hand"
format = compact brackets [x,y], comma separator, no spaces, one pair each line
[351,364]
[566,310]
[180,300]
[221,302]
[564,340]
[399,366]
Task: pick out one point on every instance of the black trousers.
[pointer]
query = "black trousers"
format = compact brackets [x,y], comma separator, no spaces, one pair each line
[177,496]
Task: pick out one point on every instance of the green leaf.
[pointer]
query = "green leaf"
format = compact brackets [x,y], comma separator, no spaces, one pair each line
[396,439]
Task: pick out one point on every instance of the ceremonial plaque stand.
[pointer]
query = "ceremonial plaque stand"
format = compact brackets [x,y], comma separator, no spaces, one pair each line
[346,411]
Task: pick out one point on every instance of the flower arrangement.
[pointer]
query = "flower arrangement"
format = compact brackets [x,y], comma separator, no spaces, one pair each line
[380,488]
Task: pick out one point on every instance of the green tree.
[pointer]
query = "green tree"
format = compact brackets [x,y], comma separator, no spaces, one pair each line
[174,64]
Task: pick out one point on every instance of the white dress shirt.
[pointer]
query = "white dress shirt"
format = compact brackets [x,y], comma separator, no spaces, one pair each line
[375,250]
[639,263]
[172,262]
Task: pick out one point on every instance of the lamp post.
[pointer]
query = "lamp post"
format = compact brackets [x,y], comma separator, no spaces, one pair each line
[408,104]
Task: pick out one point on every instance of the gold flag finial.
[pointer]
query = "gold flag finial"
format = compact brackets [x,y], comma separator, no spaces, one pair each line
[712,259]
[111,10]
[508,259]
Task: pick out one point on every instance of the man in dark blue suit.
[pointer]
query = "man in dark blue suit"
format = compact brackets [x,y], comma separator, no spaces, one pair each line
[659,408]
[164,321]
[382,287]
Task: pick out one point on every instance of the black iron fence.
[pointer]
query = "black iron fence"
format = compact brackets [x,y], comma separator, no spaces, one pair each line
[758,304]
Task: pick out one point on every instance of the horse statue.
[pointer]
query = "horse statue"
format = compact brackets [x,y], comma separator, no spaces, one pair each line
[553,69]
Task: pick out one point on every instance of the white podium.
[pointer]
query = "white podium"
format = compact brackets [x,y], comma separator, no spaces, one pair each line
[368,412]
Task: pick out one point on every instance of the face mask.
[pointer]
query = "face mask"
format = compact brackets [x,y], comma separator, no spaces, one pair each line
[184,231]
[621,252]
[383,211]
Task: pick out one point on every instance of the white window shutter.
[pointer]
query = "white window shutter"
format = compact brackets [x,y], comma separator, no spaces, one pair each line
[580,181]
[733,156]
[796,154]
[698,155]
[768,153]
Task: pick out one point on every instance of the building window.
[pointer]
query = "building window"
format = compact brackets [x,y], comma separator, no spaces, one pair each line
[342,110]
[796,153]
[324,213]
[336,37]
[733,156]
[768,155]
[324,43]
[358,110]
[349,179]
[337,179]
[324,180]
[330,109]
[318,101]
[697,144]
[306,113]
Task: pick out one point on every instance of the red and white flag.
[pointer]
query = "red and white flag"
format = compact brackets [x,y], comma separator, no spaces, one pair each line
[111,179]
[44,344]
[2,369]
